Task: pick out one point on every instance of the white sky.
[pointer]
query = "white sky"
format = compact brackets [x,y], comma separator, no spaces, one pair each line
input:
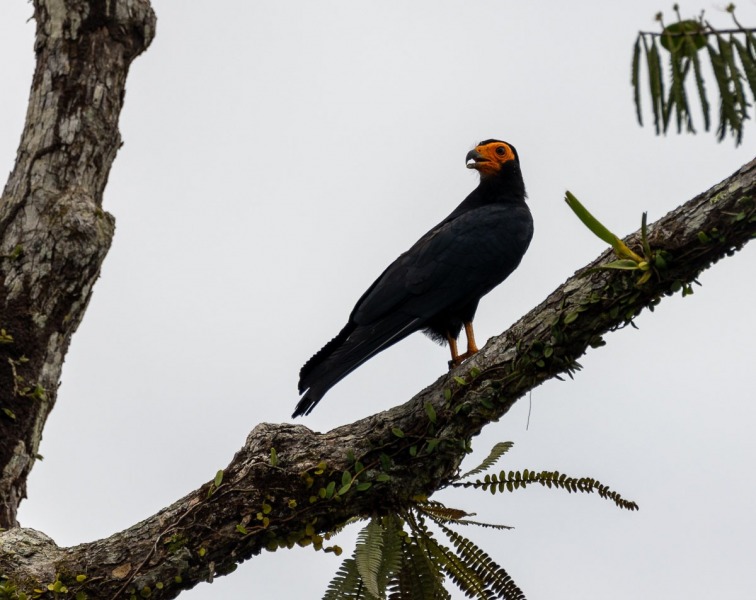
[277,157]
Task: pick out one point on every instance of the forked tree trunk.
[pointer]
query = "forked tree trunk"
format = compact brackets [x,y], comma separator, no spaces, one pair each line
[53,238]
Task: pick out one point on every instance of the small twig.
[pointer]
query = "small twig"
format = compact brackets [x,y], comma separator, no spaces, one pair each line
[711,31]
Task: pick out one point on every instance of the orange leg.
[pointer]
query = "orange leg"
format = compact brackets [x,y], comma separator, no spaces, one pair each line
[472,347]
[455,360]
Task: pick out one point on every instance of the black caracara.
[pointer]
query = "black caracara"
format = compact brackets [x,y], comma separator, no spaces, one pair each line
[436,285]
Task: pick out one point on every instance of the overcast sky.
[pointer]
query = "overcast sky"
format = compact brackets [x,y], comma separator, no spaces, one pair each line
[277,156]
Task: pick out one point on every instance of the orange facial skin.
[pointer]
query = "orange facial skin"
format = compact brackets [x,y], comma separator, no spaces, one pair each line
[488,157]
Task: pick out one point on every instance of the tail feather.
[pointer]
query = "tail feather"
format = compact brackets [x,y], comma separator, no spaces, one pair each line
[305,373]
[353,346]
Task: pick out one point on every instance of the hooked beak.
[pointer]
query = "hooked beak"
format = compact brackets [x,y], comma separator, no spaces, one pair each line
[474,158]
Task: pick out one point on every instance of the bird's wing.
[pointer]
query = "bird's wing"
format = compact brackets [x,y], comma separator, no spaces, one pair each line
[459,259]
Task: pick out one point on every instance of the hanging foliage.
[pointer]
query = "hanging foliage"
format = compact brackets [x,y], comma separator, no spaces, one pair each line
[684,46]
[399,557]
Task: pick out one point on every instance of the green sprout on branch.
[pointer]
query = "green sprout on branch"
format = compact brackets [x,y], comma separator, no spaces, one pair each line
[628,260]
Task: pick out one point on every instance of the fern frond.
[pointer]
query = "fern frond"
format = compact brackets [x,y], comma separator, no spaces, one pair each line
[346,584]
[393,540]
[418,577]
[445,560]
[368,555]
[465,579]
[421,544]
[488,570]
[441,514]
[436,510]
[516,479]
[496,453]
[478,524]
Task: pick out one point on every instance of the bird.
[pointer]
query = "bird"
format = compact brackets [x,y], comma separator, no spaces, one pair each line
[436,285]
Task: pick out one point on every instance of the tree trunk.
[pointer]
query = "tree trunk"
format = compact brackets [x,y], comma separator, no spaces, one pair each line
[287,484]
[54,234]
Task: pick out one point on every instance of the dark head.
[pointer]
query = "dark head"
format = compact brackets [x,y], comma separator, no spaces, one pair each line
[496,161]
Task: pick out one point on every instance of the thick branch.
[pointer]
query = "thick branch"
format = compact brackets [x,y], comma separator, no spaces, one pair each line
[53,232]
[265,502]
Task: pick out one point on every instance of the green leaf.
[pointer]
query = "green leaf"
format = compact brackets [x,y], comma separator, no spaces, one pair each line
[725,49]
[273,457]
[655,81]
[748,61]
[571,317]
[728,115]
[386,461]
[430,411]
[397,432]
[592,223]
[700,87]
[588,219]
[677,98]
[330,488]
[218,478]
[634,79]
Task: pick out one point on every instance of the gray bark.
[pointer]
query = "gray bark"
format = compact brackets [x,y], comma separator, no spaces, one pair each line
[54,234]
[53,238]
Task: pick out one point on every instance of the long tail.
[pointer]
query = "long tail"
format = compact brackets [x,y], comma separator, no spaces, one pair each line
[353,346]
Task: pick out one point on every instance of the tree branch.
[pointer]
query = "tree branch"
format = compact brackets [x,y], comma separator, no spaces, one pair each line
[268,500]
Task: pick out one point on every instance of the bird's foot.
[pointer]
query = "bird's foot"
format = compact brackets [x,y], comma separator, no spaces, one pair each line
[460,358]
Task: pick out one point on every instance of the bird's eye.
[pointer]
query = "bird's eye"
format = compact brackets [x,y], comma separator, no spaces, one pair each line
[500,151]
